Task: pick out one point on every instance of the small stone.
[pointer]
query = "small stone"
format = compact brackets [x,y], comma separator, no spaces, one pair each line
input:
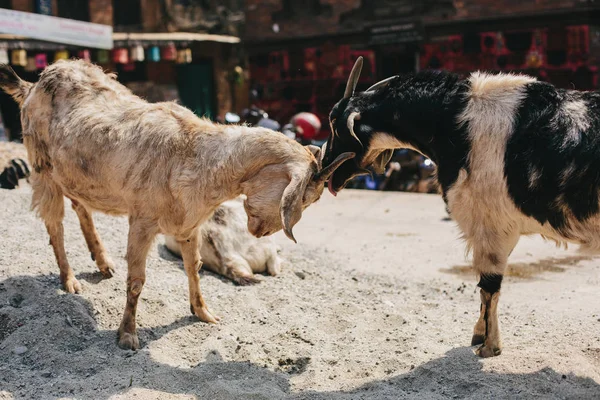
[46,374]
[564,377]
[20,350]
[300,275]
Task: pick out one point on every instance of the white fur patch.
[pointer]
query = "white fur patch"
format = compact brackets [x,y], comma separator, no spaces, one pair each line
[576,112]
[479,199]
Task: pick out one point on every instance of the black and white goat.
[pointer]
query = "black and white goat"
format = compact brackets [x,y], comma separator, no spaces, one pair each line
[515,156]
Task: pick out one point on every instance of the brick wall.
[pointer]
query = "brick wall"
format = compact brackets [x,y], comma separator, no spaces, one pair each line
[23,5]
[101,11]
[259,20]
[259,15]
[495,8]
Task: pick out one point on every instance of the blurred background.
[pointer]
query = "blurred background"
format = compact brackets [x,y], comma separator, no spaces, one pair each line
[284,63]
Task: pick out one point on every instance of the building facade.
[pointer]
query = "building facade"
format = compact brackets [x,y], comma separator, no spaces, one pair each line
[301,51]
[184,50]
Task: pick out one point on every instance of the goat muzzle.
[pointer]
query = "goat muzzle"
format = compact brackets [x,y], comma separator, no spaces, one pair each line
[324,174]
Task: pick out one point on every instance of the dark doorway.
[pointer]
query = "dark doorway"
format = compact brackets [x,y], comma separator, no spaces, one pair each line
[74,9]
[127,14]
[196,90]
[397,60]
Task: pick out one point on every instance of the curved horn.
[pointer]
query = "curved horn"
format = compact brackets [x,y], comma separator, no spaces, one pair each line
[353,79]
[351,118]
[380,84]
[326,172]
[290,207]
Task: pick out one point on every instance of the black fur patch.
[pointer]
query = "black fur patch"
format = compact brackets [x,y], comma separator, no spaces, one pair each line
[490,282]
[551,167]
[219,216]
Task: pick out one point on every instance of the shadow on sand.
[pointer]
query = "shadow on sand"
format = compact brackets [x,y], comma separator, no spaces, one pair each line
[68,356]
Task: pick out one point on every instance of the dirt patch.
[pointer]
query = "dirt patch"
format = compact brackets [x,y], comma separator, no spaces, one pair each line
[391,234]
[525,270]
[294,365]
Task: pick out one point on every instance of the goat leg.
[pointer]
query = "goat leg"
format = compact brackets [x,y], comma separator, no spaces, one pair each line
[95,245]
[192,263]
[57,240]
[490,262]
[491,345]
[49,199]
[141,235]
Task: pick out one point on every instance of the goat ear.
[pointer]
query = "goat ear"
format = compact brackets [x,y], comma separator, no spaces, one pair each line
[381,161]
[290,208]
[316,151]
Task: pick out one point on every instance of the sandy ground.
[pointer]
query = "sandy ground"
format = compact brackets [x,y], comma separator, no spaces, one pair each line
[376,302]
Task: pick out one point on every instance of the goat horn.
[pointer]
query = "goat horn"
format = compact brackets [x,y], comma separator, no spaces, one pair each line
[351,118]
[380,84]
[353,79]
[326,172]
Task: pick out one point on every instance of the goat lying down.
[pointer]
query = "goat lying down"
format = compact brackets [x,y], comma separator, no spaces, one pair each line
[90,139]
[228,248]
[515,157]
[13,164]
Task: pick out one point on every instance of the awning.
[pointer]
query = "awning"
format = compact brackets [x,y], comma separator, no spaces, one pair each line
[120,39]
[126,38]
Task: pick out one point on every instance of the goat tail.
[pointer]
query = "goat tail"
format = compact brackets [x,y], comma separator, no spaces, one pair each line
[13,85]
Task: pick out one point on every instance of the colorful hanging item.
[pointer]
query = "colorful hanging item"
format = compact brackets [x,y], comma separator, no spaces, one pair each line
[103,57]
[154,54]
[3,56]
[61,55]
[184,56]
[137,53]
[41,61]
[19,57]
[187,55]
[169,53]
[84,55]
[120,56]
[30,67]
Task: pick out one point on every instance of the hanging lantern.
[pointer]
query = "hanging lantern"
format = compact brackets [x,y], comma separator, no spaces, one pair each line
[184,56]
[103,56]
[180,56]
[84,55]
[41,61]
[3,56]
[137,53]
[169,53]
[19,57]
[30,67]
[188,55]
[61,55]
[120,56]
[154,54]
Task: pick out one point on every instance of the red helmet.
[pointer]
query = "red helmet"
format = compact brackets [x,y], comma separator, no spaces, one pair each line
[309,125]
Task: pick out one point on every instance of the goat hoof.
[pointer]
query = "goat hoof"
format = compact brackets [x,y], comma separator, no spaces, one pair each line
[72,285]
[205,315]
[485,352]
[245,280]
[128,341]
[477,339]
[107,270]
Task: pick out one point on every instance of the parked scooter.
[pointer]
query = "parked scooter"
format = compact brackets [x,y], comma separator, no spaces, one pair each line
[304,128]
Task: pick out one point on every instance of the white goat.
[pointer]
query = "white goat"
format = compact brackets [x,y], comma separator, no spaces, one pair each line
[228,248]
